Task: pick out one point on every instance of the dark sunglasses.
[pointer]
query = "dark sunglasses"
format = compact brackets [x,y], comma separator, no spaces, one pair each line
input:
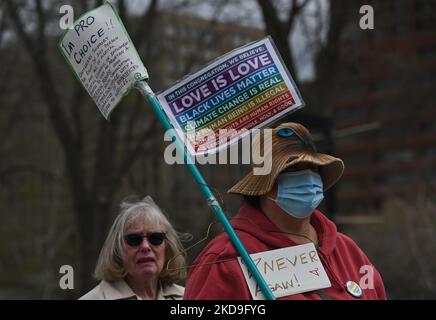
[154,238]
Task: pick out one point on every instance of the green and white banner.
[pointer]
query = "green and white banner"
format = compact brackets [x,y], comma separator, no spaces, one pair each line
[103,57]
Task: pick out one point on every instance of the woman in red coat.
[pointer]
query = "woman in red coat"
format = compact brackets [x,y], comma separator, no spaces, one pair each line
[280,212]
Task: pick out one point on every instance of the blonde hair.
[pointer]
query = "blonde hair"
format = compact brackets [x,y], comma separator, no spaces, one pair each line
[110,261]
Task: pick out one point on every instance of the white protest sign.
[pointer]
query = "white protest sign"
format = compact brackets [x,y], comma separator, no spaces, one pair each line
[242,90]
[287,271]
[103,57]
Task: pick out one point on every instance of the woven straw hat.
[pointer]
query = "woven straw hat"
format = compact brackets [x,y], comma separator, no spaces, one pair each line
[291,144]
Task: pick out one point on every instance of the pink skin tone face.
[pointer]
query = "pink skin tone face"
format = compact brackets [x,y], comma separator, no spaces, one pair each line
[146,261]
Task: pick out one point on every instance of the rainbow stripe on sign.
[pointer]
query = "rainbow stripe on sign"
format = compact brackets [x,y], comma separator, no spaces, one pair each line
[245,89]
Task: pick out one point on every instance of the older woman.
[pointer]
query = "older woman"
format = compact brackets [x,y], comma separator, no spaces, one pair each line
[280,212]
[133,261]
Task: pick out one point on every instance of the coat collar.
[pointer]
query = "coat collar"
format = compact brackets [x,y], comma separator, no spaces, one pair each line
[120,290]
[172,292]
[117,290]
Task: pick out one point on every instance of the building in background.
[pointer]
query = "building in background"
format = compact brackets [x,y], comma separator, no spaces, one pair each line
[386,83]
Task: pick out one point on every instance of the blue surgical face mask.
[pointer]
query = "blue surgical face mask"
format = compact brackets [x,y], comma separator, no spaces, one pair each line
[299,193]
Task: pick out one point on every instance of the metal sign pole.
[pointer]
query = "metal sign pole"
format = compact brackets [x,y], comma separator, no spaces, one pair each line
[148,93]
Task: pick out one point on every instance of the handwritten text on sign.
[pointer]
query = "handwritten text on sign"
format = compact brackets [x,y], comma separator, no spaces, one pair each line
[244,89]
[102,56]
[287,271]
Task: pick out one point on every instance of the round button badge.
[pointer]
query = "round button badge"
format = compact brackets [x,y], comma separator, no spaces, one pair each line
[354,289]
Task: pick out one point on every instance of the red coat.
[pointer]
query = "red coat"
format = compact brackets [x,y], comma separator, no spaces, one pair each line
[216,273]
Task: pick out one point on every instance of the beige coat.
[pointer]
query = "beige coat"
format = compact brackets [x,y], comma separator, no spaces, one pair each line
[119,290]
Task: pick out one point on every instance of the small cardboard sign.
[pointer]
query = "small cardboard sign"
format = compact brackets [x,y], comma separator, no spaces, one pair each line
[244,89]
[287,271]
[103,57]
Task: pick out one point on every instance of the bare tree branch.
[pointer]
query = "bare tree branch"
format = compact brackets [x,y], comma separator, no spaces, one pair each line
[76,107]
[26,168]
[142,38]
[279,30]
[19,26]
[98,3]
[131,120]
[122,11]
[3,20]
[12,121]
[50,94]
[200,41]
[130,158]
[294,11]
[104,165]
[314,35]
[145,27]
[327,57]
[41,28]
[42,68]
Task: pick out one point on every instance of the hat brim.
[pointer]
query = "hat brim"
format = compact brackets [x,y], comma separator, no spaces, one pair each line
[330,170]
